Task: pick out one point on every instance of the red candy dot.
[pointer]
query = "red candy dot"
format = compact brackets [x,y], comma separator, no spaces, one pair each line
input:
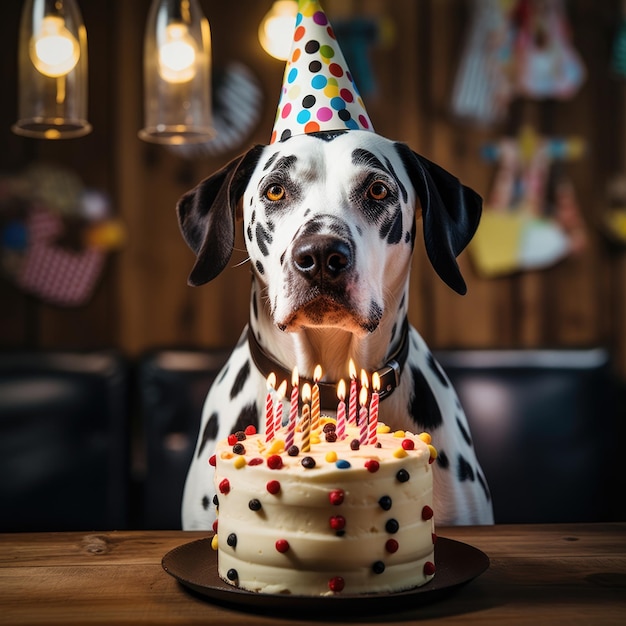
[255,461]
[391,546]
[250,430]
[429,568]
[232,440]
[273,486]
[336,496]
[282,545]
[215,526]
[427,513]
[372,465]
[274,461]
[225,486]
[336,584]
[431,460]
[434,536]
[408,444]
[212,460]
[337,522]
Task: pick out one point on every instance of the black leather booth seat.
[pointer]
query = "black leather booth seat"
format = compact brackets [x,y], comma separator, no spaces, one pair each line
[63,441]
[173,386]
[545,425]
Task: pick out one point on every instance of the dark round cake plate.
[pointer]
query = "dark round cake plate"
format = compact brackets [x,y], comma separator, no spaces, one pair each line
[194,565]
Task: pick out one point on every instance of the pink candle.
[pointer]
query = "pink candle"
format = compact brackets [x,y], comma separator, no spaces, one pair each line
[352,409]
[341,411]
[278,417]
[293,410]
[315,399]
[363,416]
[373,418]
[269,408]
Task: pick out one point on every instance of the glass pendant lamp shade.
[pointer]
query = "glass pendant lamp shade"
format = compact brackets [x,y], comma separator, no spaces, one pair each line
[52,71]
[177,74]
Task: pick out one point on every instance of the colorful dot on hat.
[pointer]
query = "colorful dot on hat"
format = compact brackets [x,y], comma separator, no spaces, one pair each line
[320,18]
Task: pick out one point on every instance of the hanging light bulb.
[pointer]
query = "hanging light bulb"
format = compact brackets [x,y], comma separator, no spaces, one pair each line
[177,55]
[52,89]
[177,74]
[54,51]
[276,28]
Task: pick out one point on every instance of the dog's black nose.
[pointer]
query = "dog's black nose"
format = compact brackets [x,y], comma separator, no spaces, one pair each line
[323,257]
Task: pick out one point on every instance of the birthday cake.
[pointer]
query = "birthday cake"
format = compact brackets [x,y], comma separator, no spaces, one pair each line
[326,514]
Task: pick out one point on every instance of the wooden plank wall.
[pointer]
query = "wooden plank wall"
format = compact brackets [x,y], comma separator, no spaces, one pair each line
[143,300]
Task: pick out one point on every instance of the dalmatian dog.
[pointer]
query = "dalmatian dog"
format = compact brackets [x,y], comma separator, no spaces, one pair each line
[330,222]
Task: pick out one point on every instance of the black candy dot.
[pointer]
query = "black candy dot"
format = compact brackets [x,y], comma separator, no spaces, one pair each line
[392,526]
[293,451]
[344,115]
[232,574]
[314,67]
[378,567]
[402,476]
[254,505]
[239,448]
[232,540]
[308,462]
[385,503]
[355,444]
[216,501]
[308,101]
[241,435]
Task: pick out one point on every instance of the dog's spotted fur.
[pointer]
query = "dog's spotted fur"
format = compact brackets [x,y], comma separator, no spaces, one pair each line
[330,225]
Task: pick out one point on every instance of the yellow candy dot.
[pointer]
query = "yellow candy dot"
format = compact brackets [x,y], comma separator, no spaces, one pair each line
[315,439]
[433,451]
[425,437]
[400,453]
[331,457]
[226,455]
[399,434]
[239,462]
[278,445]
[382,429]
[214,542]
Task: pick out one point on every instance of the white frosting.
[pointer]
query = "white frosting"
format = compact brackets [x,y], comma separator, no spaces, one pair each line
[300,513]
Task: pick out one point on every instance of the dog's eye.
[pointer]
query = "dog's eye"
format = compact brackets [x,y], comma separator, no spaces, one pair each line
[378,191]
[274,193]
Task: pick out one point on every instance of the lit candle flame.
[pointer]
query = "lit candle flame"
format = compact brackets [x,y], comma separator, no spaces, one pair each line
[375,381]
[341,389]
[352,369]
[271,381]
[317,373]
[364,381]
[363,396]
[294,377]
[282,390]
[306,392]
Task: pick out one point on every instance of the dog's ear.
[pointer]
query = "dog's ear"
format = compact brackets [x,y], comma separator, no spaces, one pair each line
[450,214]
[206,215]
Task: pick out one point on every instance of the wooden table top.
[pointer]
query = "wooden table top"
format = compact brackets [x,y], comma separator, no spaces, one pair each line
[548,574]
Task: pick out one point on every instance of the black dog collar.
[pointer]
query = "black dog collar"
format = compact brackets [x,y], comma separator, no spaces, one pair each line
[389,374]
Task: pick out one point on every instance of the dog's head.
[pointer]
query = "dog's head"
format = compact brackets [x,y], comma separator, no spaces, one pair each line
[330,223]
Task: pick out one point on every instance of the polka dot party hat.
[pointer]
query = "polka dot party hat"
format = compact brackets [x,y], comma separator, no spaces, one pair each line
[318,92]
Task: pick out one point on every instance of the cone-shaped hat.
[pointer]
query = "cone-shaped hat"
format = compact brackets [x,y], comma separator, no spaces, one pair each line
[318,92]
